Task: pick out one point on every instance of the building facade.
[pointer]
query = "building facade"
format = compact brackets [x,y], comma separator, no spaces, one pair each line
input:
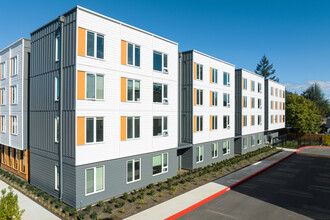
[207,110]
[14,71]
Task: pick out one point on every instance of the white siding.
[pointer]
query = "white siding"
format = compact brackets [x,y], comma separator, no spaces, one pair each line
[278,112]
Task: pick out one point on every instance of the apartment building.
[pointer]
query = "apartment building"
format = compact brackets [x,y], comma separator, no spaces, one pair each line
[249,111]
[207,110]
[104,100]
[14,71]
[274,109]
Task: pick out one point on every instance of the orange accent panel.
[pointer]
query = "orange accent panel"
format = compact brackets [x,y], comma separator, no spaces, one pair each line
[210,123]
[211,99]
[81,41]
[80,131]
[81,85]
[210,74]
[195,94]
[195,124]
[195,68]
[243,121]
[123,52]
[251,102]
[123,87]
[242,83]
[123,128]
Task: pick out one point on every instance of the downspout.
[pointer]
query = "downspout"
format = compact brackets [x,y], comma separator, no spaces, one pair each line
[61,20]
[180,99]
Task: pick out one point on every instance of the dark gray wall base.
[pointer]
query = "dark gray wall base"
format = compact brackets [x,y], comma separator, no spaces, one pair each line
[239,143]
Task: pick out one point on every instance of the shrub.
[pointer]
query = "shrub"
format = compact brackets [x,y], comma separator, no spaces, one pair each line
[161,188]
[93,215]
[46,197]
[53,201]
[159,183]
[73,212]
[66,209]
[88,208]
[81,215]
[160,194]
[113,200]
[183,181]
[152,192]
[100,203]
[107,209]
[139,206]
[125,196]
[122,210]
[58,204]
[120,204]
[9,208]
[141,196]
[151,186]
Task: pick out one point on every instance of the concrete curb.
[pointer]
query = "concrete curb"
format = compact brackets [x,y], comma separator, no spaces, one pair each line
[189,209]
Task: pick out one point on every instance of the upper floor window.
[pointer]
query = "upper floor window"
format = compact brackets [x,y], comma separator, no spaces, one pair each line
[14,66]
[272,119]
[199,154]
[57,129]
[133,127]
[133,54]
[160,164]
[58,48]
[133,170]
[160,93]
[13,94]
[272,104]
[57,88]
[160,126]
[94,129]
[214,76]
[276,92]
[2,123]
[214,99]
[244,84]
[199,123]
[276,105]
[259,87]
[199,100]
[252,120]
[226,79]
[226,122]
[275,118]
[226,100]
[244,122]
[133,90]
[95,45]
[13,124]
[214,123]
[253,85]
[272,91]
[160,62]
[259,103]
[259,120]
[95,86]
[199,71]
[2,96]
[252,102]
[244,102]
[2,70]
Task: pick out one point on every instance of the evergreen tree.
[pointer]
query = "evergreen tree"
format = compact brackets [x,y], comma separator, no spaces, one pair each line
[315,94]
[9,208]
[265,69]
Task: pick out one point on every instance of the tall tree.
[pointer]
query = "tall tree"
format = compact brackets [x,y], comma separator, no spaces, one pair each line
[9,208]
[302,114]
[265,69]
[315,94]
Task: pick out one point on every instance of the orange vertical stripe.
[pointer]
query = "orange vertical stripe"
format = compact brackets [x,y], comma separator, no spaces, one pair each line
[243,121]
[195,124]
[242,83]
[81,85]
[195,67]
[210,123]
[195,94]
[123,128]
[123,87]
[251,102]
[81,41]
[123,52]
[211,103]
[210,74]
[80,131]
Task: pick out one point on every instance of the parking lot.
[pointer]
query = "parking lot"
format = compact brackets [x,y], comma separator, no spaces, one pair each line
[296,188]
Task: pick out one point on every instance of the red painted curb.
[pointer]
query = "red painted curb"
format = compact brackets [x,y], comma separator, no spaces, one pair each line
[189,209]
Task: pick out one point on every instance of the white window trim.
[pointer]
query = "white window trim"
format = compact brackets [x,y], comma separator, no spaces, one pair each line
[162,126]
[215,148]
[95,77]
[228,100]
[214,99]
[95,44]
[214,72]
[94,122]
[57,80]
[228,148]
[200,66]
[88,194]
[133,171]
[228,121]
[4,70]
[12,124]
[201,94]
[260,87]
[134,80]
[253,118]
[3,121]
[228,79]
[163,98]
[214,119]
[200,118]
[14,97]
[164,69]
[246,146]
[56,170]
[3,95]
[254,141]
[245,80]
[134,45]
[57,119]
[133,128]
[202,147]
[56,47]
[15,73]
[162,155]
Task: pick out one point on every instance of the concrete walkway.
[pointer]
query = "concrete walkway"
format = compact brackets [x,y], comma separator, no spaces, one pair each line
[179,203]
[32,209]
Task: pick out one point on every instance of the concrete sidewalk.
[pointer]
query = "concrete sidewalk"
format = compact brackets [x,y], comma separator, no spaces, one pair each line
[32,209]
[184,201]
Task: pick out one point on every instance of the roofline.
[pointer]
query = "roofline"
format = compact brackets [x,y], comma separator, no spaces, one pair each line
[196,51]
[21,39]
[251,72]
[275,82]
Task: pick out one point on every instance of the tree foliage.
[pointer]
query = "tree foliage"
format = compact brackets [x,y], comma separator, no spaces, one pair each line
[265,69]
[9,208]
[302,114]
[315,94]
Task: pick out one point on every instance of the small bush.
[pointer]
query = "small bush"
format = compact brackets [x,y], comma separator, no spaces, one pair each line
[122,210]
[160,194]
[73,212]
[58,204]
[53,201]
[140,196]
[183,181]
[88,208]
[81,215]
[46,197]
[159,183]
[93,215]
[125,196]
[107,209]
[139,206]
[133,199]
[120,204]
[113,200]
[151,192]
[66,209]
[151,186]
[100,203]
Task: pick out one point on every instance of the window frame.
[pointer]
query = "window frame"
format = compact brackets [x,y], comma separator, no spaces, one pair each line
[244,83]
[245,104]
[200,154]
[227,83]
[95,86]
[215,150]
[253,120]
[96,34]
[228,122]
[3,123]
[94,129]
[214,99]
[162,91]
[134,55]
[3,70]
[133,171]
[133,127]
[94,192]
[14,64]
[133,90]
[162,164]
[164,68]
[214,76]
[199,97]
[227,95]
[162,126]
[3,94]
[259,88]
[199,71]
[260,121]
[253,86]
[13,124]
[199,119]
[57,183]
[58,47]
[246,142]
[214,125]
[259,139]
[253,140]
[57,120]
[253,102]
[57,89]
[259,103]
[227,148]
[14,97]
[245,121]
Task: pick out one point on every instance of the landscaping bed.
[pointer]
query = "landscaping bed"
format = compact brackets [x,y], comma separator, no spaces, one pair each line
[131,203]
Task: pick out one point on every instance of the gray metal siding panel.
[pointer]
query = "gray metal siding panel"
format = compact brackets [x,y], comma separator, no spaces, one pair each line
[238,102]
[249,146]
[187,158]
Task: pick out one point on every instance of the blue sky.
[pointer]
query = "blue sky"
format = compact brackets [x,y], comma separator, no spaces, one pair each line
[294,35]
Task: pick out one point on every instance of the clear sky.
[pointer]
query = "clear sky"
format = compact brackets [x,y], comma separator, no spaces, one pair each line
[294,35]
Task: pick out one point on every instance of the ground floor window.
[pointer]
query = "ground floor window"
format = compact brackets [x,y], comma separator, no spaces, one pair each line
[9,157]
[23,161]
[15,157]
[259,139]
[244,142]
[57,177]
[214,150]
[199,154]
[253,140]
[133,170]
[94,180]
[160,164]
[226,147]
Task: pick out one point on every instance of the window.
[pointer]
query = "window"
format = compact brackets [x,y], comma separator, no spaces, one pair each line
[13,95]
[259,87]
[259,120]
[159,164]
[244,120]
[272,91]
[133,90]
[252,120]
[133,127]
[214,122]
[226,79]
[276,92]
[215,150]
[199,100]
[2,70]
[160,62]
[214,98]
[253,140]
[133,54]
[226,147]
[252,102]
[160,126]
[253,83]
[259,103]
[244,84]
[160,93]
[226,123]
[57,129]
[13,124]
[244,142]
[57,88]
[58,48]
[2,96]
[2,123]
[3,154]
[133,170]
[276,104]
[199,154]
[95,87]
[94,180]
[259,139]
[95,45]
[199,123]
[9,156]
[244,102]
[15,158]
[275,118]
[94,129]
[57,177]
[199,72]
[272,104]
[226,100]
[272,119]
[214,76]
[23,161]
[14,66]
